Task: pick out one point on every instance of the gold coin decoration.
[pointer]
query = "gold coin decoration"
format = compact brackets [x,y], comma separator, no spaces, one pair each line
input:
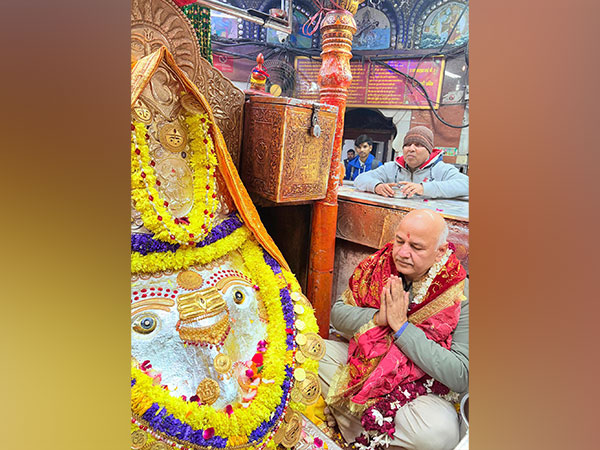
[301,339]
[138,439]
[279,434]
[304,302]
[222,363]
[189,280]
[300,325]
[208,391]
[300,357]
[142,113]
[191,104]
[299,374]
[315,347]
[299,309]
[159,445]
[295,296]
[288,415]
[293,430]
[173,137]
[296,395]
[310,389]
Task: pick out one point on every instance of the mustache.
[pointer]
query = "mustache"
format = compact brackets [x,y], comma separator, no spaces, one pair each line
[403,261]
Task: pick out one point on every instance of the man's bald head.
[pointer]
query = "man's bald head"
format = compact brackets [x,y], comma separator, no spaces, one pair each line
[430,221]
[420,241]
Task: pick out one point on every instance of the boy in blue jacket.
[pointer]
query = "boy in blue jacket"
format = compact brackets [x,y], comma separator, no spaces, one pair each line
[364,161]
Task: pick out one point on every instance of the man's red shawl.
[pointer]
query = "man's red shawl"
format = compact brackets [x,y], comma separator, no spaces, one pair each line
[376,365]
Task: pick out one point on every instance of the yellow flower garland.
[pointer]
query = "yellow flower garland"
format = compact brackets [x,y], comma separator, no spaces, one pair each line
[188,256]
[147,199]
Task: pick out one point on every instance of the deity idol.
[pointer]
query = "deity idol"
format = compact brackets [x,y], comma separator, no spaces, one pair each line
[224,345]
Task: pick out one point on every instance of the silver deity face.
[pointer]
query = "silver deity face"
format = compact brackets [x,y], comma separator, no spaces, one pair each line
[198,329]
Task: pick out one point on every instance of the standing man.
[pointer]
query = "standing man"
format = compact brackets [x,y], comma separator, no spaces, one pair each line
[419,171]
[364,161]
[408,324]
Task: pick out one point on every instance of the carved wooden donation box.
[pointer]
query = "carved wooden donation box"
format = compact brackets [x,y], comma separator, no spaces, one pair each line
[287,147]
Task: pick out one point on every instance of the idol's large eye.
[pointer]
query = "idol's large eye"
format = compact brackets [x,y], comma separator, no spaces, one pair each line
[145,323]
[239,297]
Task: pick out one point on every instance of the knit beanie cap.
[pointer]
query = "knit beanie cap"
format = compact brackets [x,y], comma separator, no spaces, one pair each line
[422,135]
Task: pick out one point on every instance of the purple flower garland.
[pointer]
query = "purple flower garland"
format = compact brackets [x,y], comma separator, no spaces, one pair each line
[159,420]
[259,433]
[287,305]
[144,243]
[274,265]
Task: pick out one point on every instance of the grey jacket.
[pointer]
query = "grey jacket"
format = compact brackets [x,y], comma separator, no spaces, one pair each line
[450,367]
[439,179]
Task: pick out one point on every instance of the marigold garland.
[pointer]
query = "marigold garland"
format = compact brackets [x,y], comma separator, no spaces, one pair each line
[153,208]
[185,257]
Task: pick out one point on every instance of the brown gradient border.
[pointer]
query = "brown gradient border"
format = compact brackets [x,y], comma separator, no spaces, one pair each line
[533,141]
[534,212]
[64,115]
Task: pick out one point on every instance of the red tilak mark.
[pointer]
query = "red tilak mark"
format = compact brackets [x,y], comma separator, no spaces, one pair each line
[408,235]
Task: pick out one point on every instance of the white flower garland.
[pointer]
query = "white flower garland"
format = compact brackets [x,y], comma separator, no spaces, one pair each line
[420,288]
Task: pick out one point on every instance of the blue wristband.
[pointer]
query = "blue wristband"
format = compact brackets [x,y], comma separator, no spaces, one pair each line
[401,330]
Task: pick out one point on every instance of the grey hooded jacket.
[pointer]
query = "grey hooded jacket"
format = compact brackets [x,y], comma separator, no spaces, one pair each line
[439,179]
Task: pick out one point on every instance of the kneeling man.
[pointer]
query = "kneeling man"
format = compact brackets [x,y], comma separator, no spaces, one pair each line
[408,356]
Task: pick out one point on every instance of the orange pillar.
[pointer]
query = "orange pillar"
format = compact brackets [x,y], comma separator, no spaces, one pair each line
[337,29]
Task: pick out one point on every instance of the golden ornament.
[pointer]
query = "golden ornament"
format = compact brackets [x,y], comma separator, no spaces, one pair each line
[300,358]
[315,347]
[159,445]
[293,429]
[138,439]
[142,113]
[301,339]
[300,325]
[214,334]
[296,395]
[222,363]
[298,309]
[299,374]
[278,436]
[208,391]
[189,280]
[289,412]
[173,137]
[310,389]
